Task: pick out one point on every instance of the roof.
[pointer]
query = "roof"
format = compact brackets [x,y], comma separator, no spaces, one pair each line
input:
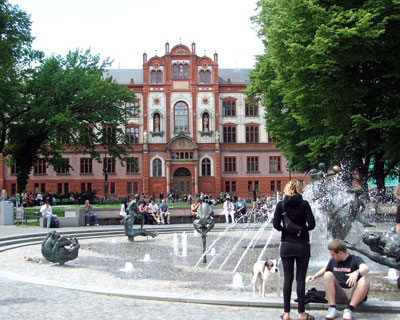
[124,76]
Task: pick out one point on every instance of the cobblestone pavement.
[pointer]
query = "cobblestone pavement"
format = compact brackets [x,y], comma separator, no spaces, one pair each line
[19,300]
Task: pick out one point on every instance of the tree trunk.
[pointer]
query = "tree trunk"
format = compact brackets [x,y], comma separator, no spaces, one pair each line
[379,175]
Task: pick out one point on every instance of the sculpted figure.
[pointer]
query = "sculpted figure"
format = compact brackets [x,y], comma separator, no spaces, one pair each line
[56,248]
[385,249]
[129,221]
[340,218]
[204,223]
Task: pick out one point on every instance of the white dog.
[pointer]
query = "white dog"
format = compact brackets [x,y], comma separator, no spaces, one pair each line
[261,272]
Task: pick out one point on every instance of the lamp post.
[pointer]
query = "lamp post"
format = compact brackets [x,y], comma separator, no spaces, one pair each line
[105,170]
[290,173]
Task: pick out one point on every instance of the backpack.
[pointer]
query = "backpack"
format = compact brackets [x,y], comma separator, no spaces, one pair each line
[289,225]
[54,223]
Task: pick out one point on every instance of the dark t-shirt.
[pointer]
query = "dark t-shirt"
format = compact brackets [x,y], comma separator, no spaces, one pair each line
[340,269]
[398,214]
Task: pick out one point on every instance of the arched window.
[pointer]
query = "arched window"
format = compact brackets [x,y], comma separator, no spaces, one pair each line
[201,76]
[156,122]
[181,113]
[180,71]
[206,167]
[157,168]
[206,122]
[159,76]
[156,77]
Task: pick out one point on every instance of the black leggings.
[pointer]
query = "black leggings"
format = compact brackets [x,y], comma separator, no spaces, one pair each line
[288,275]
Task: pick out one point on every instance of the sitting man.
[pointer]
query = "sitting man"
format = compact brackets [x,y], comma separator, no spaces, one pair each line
[229,210]
[89,214]
[240,207]
[164,212]
[154,211]
[47,213]
[344,280]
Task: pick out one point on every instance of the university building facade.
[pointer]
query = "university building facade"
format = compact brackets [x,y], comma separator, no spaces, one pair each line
[191,129]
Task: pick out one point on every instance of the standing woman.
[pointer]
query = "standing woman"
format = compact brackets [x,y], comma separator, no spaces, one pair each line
[294,247]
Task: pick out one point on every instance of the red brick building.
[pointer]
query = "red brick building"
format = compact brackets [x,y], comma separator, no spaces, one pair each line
[194,131]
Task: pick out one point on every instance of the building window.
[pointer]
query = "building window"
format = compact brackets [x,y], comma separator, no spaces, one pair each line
[66,188]
[229,134]
[63,170]
[59,188]
[278,186]
[229,108]
[156,76]
[109,165]
[156,122]
[132,165]
[40,167]
[252,186]
[112,187]
[206,122]
[132,109]
[274,164]
[86,165]
[204,76]
[132,135]
[181,113]
[109,135]
[227,186]
[233,184]
[180,71]
[42,187]
[252,164]
[272,186]
[206,167]
[129,188]
[251,108]
[157,168]
[230,164]
[86,187]
[251,134]
[14,169]
[13,188]
[136,187]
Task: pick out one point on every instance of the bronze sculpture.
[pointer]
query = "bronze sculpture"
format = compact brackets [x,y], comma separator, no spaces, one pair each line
[203,224]
[56,248]
[129,221]
[385,249]
[339,219]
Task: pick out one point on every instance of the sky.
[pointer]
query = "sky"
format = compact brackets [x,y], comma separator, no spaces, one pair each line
[123,30]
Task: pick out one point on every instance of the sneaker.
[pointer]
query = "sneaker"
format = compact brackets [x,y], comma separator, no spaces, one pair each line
[332,313]
[96,224]
[347,314]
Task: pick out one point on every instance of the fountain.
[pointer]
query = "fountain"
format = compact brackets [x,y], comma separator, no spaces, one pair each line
[184,244]
[203,224]
[129,221]
[175,243]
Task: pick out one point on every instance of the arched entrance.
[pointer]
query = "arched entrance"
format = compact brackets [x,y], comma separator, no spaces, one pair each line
[182,182]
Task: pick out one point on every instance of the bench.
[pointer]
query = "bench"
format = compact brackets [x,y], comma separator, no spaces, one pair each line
[109,215]
[386,208]
[184,215]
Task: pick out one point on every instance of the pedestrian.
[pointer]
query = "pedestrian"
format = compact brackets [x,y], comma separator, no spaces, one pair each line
[295,247]
[344,280]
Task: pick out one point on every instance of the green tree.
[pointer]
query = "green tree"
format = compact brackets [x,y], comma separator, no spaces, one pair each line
[72,106]
[16,55]
[330,82]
